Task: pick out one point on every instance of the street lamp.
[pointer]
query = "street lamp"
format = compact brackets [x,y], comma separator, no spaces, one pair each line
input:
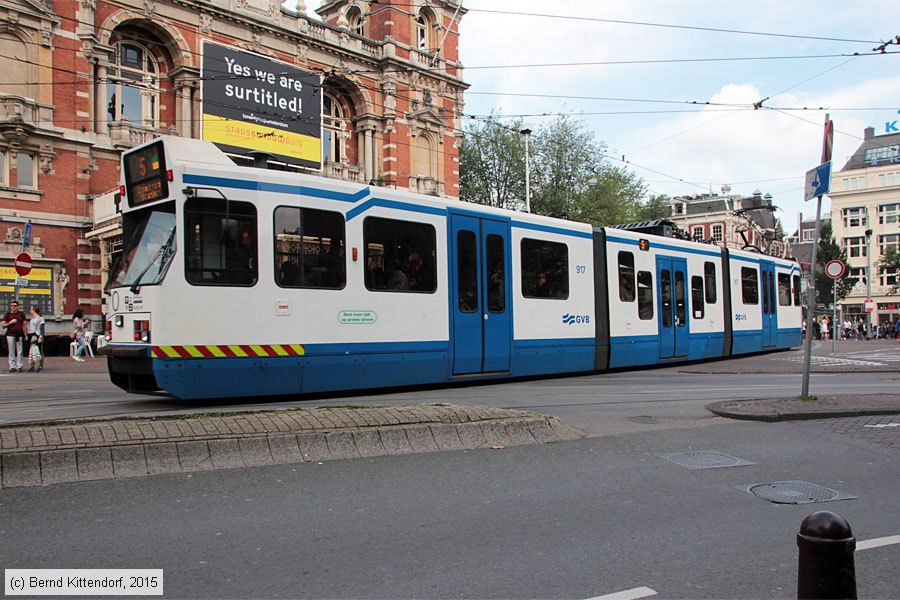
[868,278]
[526,133]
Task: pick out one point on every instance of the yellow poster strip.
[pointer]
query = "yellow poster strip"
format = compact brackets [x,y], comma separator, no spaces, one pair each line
[35,275]
[258,137]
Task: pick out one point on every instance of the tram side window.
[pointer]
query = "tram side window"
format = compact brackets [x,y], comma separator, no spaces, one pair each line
[796,290]
[545,269]
[401,256]
[221,241]
[626,277]
[749,286]
[697,297]
[309,248]
[709,272]
[645,295]
[784,289]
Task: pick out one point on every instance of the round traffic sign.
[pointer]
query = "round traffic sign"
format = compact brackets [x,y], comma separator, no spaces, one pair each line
[22,263]
[835,269]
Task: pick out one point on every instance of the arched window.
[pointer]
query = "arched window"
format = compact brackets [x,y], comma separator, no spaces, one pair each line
[424,25]
[334,130]
[423,165]
[133,89]
[16,67]
[355,18]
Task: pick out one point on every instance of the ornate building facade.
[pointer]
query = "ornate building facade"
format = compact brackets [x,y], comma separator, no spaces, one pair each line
[731,220]
[86,79]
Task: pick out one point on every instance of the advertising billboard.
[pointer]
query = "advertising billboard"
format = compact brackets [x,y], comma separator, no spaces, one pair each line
[35,289]
[251,103]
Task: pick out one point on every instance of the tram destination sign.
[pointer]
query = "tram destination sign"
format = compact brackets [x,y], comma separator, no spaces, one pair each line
[251,103]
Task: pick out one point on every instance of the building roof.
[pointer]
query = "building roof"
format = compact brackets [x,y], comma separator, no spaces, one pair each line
[890,142]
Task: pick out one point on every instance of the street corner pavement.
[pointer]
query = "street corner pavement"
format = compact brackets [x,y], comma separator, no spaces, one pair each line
[795,409]
[46,454]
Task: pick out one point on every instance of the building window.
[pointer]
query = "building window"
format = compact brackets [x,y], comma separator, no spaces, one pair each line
[888,213]
[545,269]
[679,208]
[873,155]
[854,217]
[26,171]
[855,246]
[808,235]
[889,275]
[718,233]
[309,248]
[889,242]
[423,165]
[334,130]
[857,275]
[133,88]
[697,233]
[355,18]
[424,26]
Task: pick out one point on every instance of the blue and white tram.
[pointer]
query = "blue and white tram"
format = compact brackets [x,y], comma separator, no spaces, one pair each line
[248,282]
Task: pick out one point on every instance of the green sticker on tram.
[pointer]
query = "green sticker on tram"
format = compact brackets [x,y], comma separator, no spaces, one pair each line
[357,317]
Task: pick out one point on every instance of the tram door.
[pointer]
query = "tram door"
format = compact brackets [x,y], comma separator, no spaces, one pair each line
[769,307]
[480,298]
[671,273]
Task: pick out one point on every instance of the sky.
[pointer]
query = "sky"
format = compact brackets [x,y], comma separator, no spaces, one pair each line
[654,117]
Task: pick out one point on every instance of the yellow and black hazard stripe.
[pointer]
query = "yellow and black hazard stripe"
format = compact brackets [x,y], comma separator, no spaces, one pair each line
[227,351]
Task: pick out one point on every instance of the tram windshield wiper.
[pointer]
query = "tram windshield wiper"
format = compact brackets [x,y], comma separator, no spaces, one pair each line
[162,256]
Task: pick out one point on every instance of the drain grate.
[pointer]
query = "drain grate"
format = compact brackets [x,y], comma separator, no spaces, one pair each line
[704,459]
[794,492]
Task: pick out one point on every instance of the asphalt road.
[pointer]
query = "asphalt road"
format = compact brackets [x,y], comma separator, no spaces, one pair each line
[568,520]
[599,404]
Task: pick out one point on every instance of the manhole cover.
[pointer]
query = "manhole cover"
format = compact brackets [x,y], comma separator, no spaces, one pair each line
[704,459]
[794,492]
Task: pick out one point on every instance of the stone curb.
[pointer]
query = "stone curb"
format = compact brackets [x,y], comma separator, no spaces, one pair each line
[57,453]
[794,409]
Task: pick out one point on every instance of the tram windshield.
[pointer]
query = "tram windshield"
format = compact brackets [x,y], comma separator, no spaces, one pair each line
[148,250]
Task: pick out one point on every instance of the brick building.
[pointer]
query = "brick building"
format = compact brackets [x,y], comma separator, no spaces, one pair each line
[86,79]
[730,220]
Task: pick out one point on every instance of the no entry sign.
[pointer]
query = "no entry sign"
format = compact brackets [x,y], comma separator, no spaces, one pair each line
[835,269]
[22,264]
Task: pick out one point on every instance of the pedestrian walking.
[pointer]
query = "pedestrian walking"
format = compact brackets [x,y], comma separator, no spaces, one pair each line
[14,321]
[35,341]
[79,323]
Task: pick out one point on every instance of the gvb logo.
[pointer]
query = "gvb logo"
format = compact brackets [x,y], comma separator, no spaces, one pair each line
[572,319]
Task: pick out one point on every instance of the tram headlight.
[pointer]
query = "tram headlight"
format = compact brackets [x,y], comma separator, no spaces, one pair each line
[120,320]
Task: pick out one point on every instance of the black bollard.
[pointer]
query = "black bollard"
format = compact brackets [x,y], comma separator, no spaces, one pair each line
[826,566]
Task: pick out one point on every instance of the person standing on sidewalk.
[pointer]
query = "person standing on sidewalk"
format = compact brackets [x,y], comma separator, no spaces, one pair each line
[14,321]
[35,340]
[78,325]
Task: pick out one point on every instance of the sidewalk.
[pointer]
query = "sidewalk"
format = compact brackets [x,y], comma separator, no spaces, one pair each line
[33,455]
[795,409]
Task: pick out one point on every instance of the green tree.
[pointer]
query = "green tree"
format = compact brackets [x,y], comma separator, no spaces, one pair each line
[890,260]
[655,207]
[570,176]
[829,250]
[492,165]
